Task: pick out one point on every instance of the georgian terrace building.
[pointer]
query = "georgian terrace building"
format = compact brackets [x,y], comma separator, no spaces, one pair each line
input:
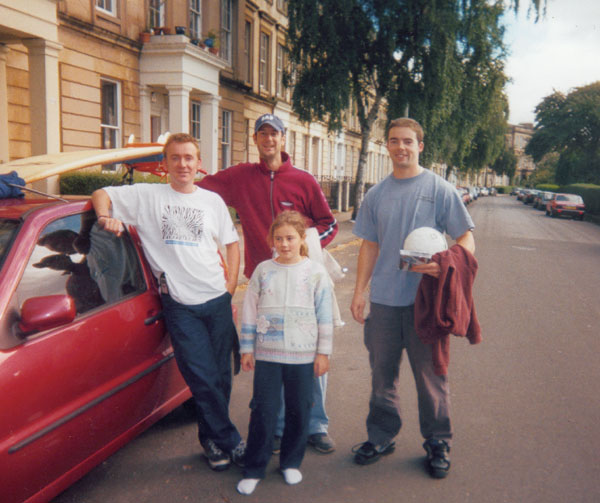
[79,74]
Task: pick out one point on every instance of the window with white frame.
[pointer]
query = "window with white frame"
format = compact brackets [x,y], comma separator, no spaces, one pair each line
[156,13]
[108,6]
[292,146]
[247,71]
[195,120]
[282,6]
[306,153]
[225,139]
[263,62]
[281,59]
[226,29]
[111,112]
[195,19]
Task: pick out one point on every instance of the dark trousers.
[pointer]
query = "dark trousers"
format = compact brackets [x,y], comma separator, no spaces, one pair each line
[297,383]
[389,331]
[203,336]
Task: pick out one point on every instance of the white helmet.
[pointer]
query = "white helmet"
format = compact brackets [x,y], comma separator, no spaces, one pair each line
[425,241]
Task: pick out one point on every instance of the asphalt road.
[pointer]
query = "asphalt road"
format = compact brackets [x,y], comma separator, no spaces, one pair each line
[525,402]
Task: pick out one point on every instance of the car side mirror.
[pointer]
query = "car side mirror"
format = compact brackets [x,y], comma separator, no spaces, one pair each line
[44,313]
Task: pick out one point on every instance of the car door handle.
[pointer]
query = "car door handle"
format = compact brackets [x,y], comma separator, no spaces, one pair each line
[153,319]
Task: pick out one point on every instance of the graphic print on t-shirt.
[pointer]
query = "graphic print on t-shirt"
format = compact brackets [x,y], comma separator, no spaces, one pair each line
[182,225]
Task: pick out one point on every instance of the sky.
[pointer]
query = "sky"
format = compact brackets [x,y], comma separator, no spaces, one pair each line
[559,52]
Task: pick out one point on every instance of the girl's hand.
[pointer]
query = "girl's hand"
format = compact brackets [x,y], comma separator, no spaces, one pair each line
[247,362]
[321,365]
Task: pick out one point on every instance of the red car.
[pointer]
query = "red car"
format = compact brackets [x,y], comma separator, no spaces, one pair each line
[85,361]
[570,205]
[464,194]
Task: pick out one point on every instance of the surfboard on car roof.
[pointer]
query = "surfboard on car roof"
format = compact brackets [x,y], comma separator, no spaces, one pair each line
[32,169]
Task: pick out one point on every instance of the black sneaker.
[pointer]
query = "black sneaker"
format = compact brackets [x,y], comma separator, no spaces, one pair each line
[238,454]
[367,453]
[438,460]
[276,444]
[321,442]
[216,458]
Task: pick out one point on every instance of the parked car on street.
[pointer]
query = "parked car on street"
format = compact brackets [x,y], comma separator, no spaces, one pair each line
[521,194]
[86,363]
[541,199]
[464,194]
[568,205]
[529,196]
[474,193]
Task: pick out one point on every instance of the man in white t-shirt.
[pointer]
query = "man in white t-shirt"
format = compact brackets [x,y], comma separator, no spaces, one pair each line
[181,226]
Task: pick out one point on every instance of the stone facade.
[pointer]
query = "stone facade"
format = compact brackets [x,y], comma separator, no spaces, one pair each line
[517,138]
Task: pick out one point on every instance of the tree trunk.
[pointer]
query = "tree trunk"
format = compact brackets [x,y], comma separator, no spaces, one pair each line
[366,126]
[360,170]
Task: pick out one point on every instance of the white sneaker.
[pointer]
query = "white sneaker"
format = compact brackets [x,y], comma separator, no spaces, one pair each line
[292,476]
[247,486]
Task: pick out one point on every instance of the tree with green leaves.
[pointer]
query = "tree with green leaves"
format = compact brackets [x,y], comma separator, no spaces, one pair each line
[505,163]
[569,125]
[438,61]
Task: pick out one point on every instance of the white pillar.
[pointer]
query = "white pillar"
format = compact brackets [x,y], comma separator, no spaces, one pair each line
[45,103]
[145,120]
[179,109]
[44,96]
[209,132]
[4,145]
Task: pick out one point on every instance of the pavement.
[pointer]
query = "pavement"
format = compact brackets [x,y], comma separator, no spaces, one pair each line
[343,237]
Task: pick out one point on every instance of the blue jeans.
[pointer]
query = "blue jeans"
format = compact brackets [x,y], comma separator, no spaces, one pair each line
[266,401]
[203,336]
[319,421]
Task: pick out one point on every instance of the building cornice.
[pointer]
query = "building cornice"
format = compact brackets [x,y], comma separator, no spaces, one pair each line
[97,31]
[267,17]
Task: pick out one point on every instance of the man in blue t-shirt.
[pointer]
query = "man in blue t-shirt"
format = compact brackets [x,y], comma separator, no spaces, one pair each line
[409,198]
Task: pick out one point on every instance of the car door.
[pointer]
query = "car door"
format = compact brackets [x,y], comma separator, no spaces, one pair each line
[73,394]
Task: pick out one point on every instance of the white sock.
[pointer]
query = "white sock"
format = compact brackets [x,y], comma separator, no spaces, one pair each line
[247,486]
[292,476]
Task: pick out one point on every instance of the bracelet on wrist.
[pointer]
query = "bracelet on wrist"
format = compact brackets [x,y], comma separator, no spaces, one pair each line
[101,216]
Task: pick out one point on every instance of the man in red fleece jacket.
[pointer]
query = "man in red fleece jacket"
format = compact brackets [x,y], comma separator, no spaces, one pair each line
[259,192]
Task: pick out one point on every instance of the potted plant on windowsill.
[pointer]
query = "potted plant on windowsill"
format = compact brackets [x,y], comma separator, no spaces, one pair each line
[212,42]
[146,34]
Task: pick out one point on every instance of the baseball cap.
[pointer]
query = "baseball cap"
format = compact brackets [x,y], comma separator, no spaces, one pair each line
[270,119]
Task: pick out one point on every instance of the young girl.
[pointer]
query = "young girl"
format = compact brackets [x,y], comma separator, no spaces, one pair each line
[286,338]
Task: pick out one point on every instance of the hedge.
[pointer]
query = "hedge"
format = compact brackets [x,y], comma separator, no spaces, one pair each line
[548,187]
[86,182]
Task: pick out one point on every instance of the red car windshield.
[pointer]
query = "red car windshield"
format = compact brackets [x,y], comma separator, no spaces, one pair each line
[8,229]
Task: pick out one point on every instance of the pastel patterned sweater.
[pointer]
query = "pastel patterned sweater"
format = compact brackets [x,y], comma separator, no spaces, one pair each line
[287,312]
